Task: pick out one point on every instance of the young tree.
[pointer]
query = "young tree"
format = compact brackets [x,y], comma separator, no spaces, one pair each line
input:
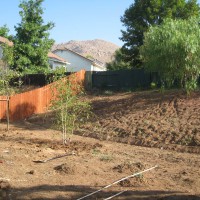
[69,110]
[32,42]
[173,50]
[144,13]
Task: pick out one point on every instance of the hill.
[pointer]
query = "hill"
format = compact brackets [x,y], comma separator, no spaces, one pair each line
[97,49]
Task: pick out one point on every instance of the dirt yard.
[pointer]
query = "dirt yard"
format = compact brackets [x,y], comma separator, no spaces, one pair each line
[130,132]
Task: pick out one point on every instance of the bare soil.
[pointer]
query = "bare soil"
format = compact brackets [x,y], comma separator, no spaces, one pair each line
[130,132]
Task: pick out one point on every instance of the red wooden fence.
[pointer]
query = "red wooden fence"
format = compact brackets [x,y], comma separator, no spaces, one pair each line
[32,102]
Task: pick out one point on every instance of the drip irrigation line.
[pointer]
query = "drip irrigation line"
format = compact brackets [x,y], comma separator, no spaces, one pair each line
[115,195]
[127,177]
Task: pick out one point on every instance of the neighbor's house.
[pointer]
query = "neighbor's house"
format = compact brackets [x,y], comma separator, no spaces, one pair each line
[56,61]
[53,59]
[79,62]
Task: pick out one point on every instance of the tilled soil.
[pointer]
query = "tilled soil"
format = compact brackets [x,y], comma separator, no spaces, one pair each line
[149,118]
[146,119]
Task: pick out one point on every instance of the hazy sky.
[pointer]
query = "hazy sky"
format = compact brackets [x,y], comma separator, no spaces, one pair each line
[75,19]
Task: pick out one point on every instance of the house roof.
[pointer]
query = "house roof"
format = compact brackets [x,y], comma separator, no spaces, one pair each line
[95,61]
[5,41]
[56,57]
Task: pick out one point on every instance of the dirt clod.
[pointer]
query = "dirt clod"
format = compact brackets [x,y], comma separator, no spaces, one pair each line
[4,185]
[66,168]
[31,172]
[129,167]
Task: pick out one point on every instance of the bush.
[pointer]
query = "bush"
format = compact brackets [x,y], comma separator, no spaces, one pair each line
[172,49]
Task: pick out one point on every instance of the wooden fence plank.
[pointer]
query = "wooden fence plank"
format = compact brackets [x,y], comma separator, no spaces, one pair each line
[32,102]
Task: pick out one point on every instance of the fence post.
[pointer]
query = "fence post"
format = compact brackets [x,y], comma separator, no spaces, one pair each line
[7,112]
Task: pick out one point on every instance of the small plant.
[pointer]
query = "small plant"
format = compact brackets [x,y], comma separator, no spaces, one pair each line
[70,111]
[102,156]
[153,85]
[186,140]
[96,151]
[108,92]
[106,157]
[162,89]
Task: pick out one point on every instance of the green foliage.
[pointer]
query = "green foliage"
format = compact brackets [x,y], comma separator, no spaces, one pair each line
[153,85]
[4,31]
[118,62]
[5,73]
[5,77]
[89,57]
[32,42]
[59,70]
[70,111]
[144,13]
[8,58]
[173,50]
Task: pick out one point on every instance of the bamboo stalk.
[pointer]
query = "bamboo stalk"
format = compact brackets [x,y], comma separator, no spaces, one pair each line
[125,178]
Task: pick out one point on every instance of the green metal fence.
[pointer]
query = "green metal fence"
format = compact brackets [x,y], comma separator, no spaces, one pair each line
[122,79]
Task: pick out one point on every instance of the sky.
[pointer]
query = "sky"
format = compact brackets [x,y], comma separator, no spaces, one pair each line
[74,19]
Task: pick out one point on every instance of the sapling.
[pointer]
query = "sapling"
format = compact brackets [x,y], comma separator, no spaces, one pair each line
[70,111]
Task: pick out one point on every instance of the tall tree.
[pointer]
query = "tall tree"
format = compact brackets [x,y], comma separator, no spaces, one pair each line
[118,62]
[144,13]
[32,42]
[172,49]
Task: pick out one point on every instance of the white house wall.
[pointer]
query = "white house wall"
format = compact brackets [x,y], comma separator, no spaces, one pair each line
[58,64]
[54,64]
[77,62]
[96,68]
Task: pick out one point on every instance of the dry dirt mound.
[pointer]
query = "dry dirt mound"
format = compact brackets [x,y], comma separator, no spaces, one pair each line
[152,119]
[73,146]
[130,168]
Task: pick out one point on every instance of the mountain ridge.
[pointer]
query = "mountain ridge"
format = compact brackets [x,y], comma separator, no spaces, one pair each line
[97,49]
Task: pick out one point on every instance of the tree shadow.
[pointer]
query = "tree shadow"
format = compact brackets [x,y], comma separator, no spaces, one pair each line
[21,111]
[73,192]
